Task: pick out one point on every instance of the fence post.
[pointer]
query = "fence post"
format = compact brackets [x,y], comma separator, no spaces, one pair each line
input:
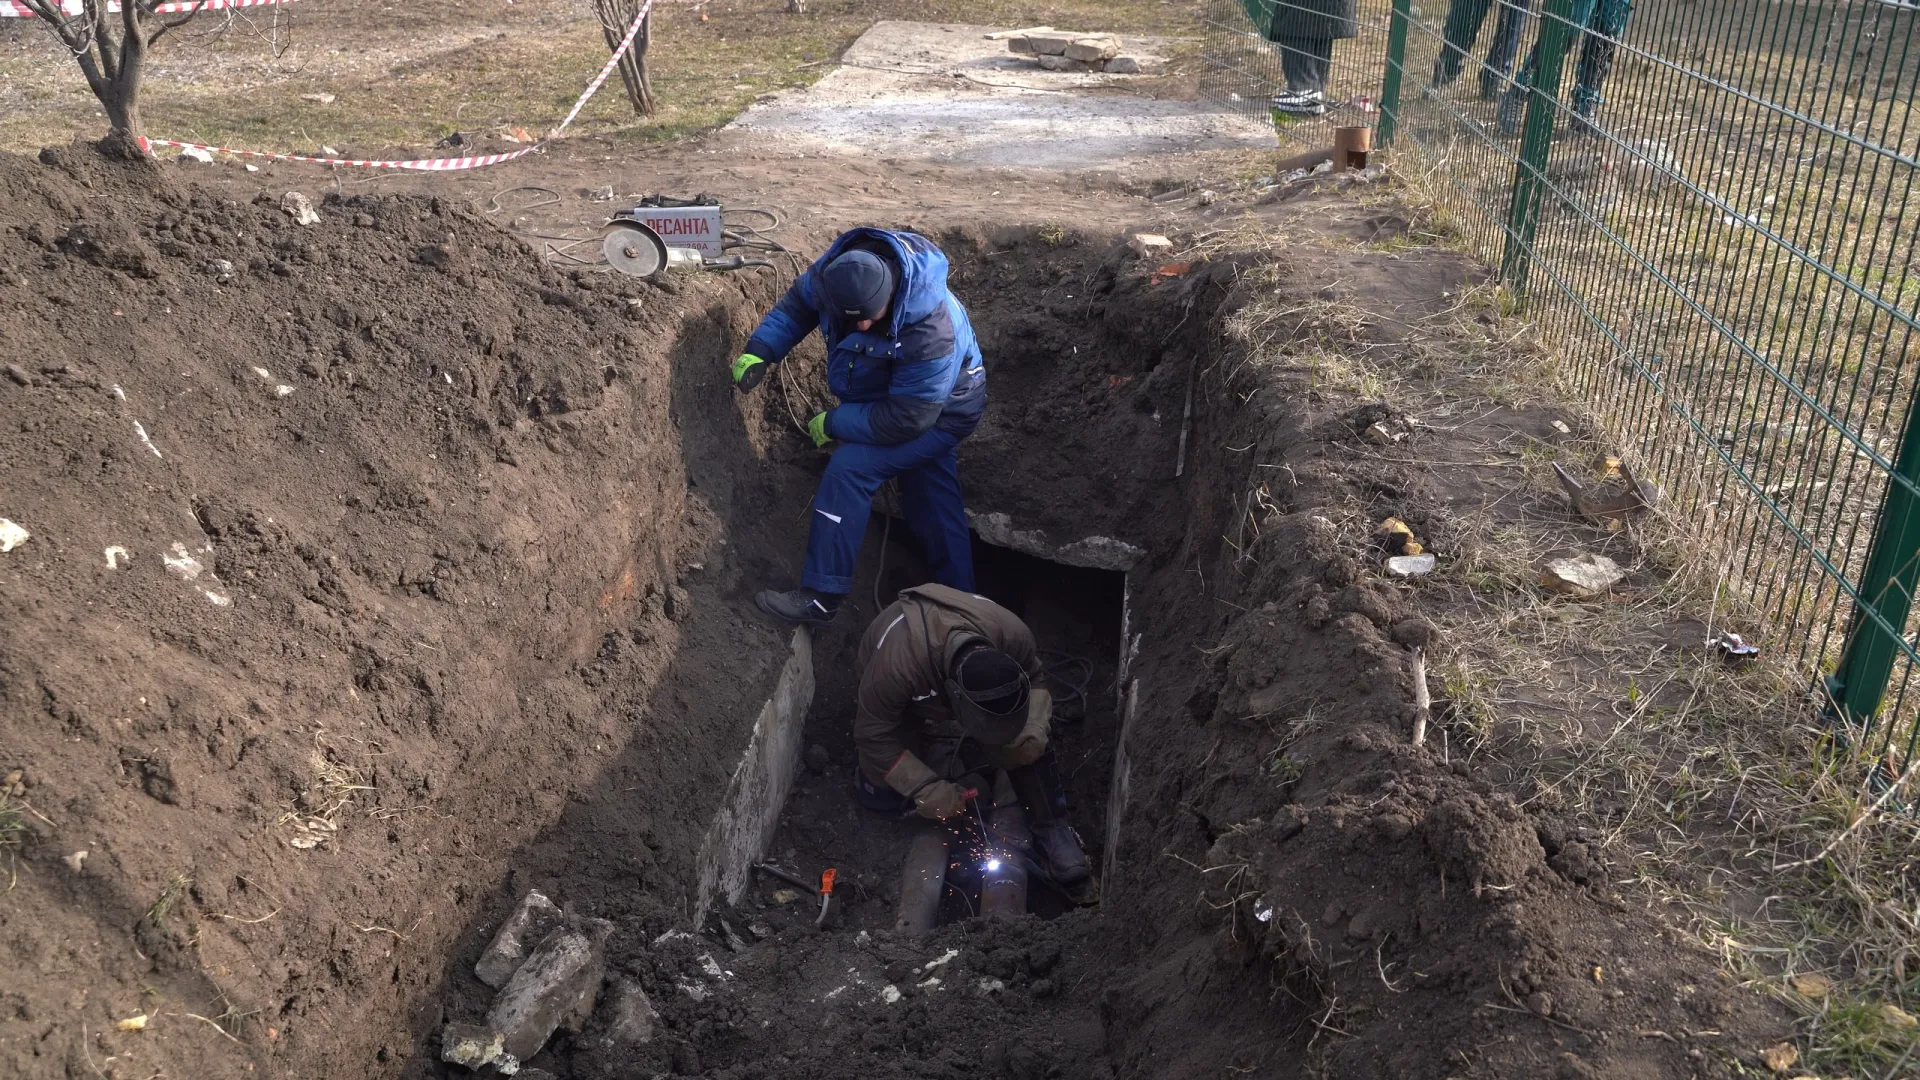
[1536,140]
[1396,63]
[1893,565]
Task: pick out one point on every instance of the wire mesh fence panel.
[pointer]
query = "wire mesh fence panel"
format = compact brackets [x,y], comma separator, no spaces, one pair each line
[1708,208]
[1258,51]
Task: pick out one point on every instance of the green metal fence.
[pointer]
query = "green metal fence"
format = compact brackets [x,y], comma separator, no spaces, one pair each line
[1707,206]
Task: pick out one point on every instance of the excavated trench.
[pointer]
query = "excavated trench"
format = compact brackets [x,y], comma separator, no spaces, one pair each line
[433,588]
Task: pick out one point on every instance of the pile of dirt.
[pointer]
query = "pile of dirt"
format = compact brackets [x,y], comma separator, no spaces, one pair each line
[360,553]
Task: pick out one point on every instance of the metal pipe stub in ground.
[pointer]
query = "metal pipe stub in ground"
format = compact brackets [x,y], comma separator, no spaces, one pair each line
[922,882]
[1003,877]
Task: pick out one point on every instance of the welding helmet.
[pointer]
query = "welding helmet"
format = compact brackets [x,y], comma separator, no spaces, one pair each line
[986,690]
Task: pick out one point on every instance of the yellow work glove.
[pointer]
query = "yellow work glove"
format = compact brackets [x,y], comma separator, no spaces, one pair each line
[1026,747]
[748,371]
[817,427]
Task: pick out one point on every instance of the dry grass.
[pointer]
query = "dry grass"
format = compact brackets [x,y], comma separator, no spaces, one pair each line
[1714,790]
[316,819]
[410,79]
[1707,782]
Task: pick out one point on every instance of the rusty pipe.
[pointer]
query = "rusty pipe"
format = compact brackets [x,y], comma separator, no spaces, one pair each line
[1003,877]
[922,882]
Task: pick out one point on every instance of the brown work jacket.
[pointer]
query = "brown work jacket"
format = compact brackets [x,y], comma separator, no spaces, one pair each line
[902,704]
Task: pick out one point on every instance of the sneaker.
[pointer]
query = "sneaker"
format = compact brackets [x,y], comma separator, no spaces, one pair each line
[1057,851]
[1301,103]
[803,606]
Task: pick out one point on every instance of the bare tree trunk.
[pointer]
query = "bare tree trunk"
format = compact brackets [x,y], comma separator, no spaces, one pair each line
[113,59]
[615,17]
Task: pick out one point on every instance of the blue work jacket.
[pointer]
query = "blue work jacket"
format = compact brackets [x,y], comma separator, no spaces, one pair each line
[918,370]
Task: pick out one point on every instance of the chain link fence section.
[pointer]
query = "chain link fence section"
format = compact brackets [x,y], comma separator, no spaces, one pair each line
[1708,211]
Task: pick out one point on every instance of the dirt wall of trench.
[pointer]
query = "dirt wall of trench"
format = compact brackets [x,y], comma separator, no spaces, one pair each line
[420,543]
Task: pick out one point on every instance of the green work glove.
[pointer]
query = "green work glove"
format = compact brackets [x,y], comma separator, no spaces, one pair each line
[748,371]
[817,427]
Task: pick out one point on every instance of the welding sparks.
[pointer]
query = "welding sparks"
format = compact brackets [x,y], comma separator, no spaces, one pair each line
[993,865]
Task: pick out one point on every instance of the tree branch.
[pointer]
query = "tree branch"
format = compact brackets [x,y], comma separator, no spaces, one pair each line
[49,13]
[170,24]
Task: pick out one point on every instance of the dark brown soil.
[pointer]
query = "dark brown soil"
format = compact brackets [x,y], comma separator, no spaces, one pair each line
[488,565]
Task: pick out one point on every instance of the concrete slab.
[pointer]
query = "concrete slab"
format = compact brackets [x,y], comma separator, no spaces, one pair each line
[945,92]
[740,833]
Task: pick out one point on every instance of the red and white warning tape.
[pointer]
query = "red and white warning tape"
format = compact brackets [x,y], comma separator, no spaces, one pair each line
[423,164]
[13,9]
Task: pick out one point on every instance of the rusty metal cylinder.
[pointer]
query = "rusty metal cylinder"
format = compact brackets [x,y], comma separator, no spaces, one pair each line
[1003,876]
[922,881]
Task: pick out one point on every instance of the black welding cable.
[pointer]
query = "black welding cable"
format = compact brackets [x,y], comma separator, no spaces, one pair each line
[1071,674]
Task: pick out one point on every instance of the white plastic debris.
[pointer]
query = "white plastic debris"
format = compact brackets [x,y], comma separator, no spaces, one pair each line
[12,535]
[1411,565]
[282,390]
[265,375]
[193,155]
[144,440]
[117,556]
[218,600]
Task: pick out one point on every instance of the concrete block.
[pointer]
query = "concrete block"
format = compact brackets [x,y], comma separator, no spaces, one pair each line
[1054,44]
[1094,48]
[743,829]
[1149,245]
[1050,62]
[631,1017]
[1023,45]
[1098,552]
[472,1045]
[530,923]
[555,987]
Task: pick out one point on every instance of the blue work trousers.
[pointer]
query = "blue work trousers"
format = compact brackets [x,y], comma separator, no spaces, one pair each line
[928,468]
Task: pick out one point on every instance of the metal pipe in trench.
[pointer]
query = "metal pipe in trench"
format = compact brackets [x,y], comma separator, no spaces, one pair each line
[922,881]
[1003,880]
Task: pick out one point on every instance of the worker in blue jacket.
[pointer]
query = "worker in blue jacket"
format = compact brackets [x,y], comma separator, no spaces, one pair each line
[902,359]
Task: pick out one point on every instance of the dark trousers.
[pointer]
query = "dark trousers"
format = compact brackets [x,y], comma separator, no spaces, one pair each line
[1601,21]
[1305,61]
[929,497]
[1464,19]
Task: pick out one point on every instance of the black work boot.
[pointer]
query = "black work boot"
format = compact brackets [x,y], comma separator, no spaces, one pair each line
[803,606]
[1057,850]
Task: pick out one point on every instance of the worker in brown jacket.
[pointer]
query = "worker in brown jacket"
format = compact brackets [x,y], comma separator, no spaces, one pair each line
[947,693]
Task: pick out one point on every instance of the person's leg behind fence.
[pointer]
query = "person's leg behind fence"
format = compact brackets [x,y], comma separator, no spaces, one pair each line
[1604,30]
[1508,27]
[1462,29]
